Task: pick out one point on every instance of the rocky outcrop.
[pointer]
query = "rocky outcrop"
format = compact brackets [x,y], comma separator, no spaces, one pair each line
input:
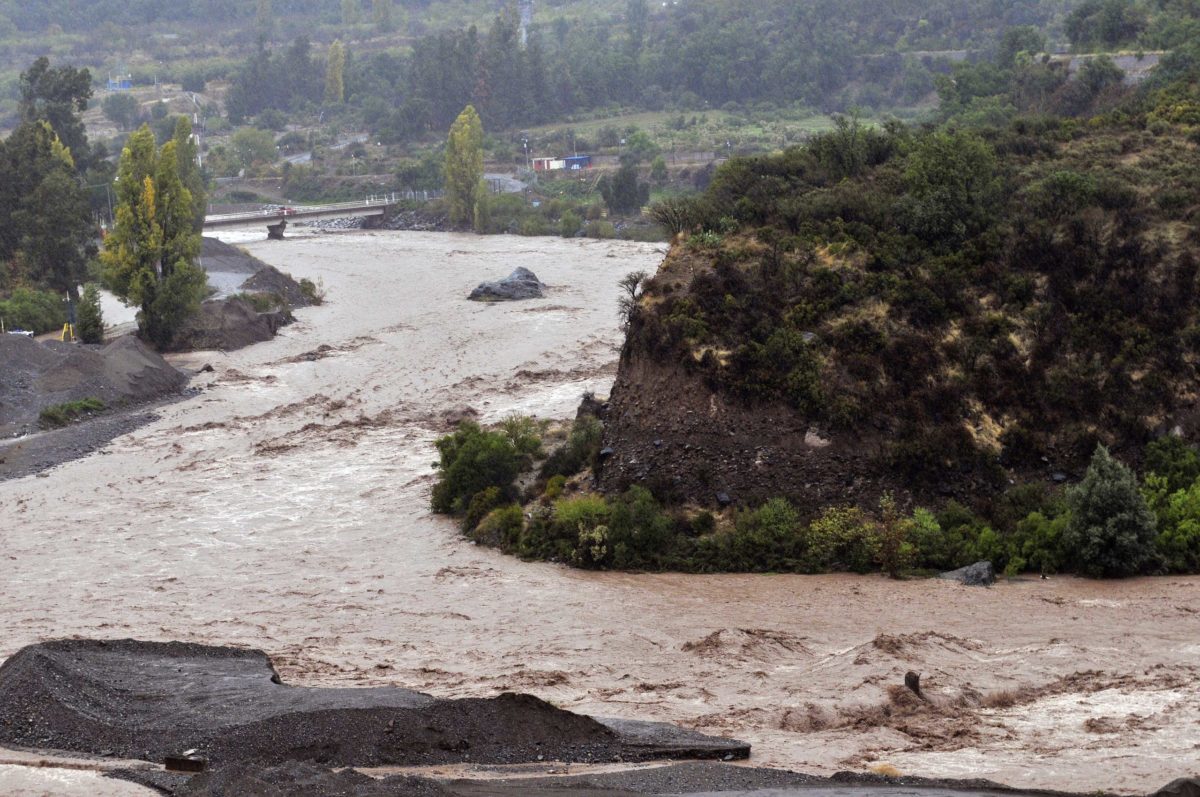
[521,284]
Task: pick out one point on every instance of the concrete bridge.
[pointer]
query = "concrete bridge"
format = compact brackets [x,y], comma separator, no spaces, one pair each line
[276,218]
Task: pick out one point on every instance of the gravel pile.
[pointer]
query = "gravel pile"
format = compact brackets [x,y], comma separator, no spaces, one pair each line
[151,700]
[36,375]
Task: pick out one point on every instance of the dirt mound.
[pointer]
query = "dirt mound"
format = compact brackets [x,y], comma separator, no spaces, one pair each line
[297,779]
[149,700]
[219,256]
[228,324]
[36,375]
[272,281]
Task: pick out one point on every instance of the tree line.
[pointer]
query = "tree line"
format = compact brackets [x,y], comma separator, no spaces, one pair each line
[826,54]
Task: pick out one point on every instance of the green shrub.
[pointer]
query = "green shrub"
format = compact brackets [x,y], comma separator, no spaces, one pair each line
[473,460]
[569,224]
[895,551]
[89,326]
[600,229]
[554,487]
[579,452]
[1037,544]
[314,292]
[581,512]
[842,538]
[1174,460]
[63,414]
[524,433]
[641,534]
[770,537]
[482,503]
[1111,532]
[1178,515]
[500,527]
[36,311]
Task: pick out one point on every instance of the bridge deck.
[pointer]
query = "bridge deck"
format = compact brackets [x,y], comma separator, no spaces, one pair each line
[373,206]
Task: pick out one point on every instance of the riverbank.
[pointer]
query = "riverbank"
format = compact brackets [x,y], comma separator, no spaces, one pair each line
[287,508]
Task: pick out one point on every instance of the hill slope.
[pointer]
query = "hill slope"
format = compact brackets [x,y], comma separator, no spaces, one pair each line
[939,313]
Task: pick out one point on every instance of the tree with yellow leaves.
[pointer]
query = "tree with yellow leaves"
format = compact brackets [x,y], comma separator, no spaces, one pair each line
[149,259]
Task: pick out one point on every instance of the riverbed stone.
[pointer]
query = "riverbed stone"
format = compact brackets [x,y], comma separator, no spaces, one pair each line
[521,284]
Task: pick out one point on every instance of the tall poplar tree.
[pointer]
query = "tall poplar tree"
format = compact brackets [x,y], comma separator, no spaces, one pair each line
[149,258]
[189,170]
[464,167]
[335,70]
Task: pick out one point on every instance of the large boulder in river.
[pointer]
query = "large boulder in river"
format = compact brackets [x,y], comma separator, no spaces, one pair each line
[980,574]
[521,284]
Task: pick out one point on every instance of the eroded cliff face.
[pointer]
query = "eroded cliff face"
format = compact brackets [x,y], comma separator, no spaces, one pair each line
[668,431]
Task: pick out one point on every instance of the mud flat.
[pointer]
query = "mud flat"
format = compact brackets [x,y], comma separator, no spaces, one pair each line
[285,508]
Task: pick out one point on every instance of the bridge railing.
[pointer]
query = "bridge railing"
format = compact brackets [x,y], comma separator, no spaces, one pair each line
[375,200]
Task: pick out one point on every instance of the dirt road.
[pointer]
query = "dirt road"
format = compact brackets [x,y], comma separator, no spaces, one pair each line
[286,508]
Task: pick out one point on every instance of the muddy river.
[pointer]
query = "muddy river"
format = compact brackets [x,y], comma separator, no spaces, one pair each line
[285,507]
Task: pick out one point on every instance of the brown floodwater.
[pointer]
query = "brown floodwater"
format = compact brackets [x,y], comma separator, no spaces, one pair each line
[285,507]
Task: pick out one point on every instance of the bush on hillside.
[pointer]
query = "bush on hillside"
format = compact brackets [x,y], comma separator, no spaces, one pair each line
[1111,532]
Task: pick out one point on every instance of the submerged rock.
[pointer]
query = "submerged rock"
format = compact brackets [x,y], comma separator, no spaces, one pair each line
[521,284]
[980,574]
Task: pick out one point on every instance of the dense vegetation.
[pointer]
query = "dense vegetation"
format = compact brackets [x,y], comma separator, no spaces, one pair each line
[47,234]
[1107,525]
[1000,296]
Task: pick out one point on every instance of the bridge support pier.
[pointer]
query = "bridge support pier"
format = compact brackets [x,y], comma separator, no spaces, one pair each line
[275,231]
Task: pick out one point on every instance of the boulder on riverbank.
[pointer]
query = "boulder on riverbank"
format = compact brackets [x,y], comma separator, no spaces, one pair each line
[980,574]
[521,284]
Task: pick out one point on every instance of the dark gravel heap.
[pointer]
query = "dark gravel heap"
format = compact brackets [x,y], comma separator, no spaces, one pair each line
[36,375]
[148,700]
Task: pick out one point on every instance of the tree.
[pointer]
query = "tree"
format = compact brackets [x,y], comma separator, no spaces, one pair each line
[89,325]
[464,167]
[1021,39]
[335,87]
[58,96]
[951,178]
[252,146]
[189,170]
[351,12]
[48,218]
[623,193]
[121,108]
[149,258]
[1111,530]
